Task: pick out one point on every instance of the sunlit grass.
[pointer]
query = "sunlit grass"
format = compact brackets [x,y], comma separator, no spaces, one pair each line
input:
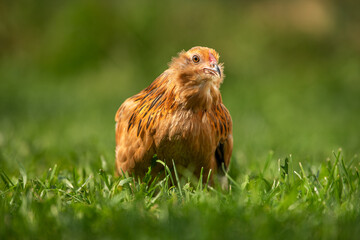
[287,202]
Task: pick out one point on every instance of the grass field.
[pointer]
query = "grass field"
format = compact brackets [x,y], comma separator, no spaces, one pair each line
[293,93]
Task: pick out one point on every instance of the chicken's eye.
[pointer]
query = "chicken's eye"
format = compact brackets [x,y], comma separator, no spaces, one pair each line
[196,59]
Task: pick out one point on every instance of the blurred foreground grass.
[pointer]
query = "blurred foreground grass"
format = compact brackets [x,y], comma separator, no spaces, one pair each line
[292,86]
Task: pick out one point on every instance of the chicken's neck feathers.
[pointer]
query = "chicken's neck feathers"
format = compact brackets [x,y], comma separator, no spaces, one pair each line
[167,95]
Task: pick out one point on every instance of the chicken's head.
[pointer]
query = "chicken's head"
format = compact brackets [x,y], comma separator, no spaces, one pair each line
[199,66]
[198,77]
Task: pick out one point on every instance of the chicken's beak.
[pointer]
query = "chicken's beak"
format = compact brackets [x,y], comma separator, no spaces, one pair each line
[218,70]
[213,69]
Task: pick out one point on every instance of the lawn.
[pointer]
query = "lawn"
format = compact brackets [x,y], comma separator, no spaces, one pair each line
[293,91]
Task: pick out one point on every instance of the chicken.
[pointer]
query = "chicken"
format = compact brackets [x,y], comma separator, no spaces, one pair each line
[179,117]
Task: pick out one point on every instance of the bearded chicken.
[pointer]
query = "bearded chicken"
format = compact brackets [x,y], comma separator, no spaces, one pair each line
[180,117]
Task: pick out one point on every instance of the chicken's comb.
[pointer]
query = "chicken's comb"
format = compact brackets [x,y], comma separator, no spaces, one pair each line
[212,58]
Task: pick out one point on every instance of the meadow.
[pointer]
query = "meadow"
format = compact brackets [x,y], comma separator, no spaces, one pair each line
[292,87]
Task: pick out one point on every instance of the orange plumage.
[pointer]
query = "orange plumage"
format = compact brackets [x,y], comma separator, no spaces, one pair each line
[179,117]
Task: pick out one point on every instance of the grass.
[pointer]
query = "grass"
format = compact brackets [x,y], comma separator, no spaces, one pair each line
[274,202]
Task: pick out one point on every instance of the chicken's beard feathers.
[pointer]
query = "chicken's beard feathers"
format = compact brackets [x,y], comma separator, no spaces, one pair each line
[195,89]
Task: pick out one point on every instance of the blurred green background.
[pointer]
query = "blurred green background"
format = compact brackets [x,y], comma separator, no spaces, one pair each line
[292,75]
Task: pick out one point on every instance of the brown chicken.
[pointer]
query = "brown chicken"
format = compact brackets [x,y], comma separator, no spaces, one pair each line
[179,117]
